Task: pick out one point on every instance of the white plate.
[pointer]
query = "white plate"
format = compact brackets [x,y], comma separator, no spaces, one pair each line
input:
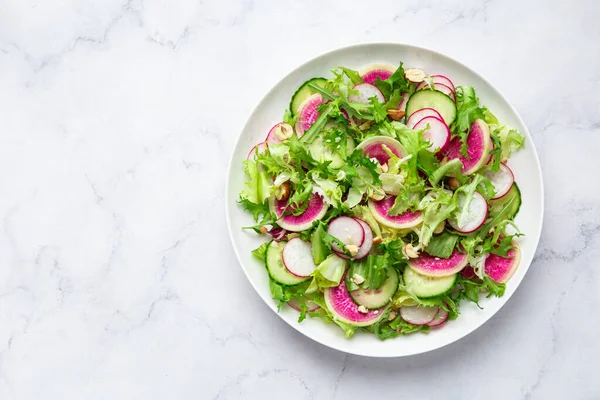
[525,165]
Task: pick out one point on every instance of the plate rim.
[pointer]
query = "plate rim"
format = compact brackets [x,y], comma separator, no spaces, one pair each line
[268,301]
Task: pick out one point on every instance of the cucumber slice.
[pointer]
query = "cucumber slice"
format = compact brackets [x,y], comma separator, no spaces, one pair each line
[428,98]
[426,287]
[515,205]
[304,92]
[276,268]
[373,299]
[322,152]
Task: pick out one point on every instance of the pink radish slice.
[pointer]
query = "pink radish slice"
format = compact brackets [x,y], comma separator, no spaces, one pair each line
[366,91]
[420,114]
[402,105]
[308,114]
[371,72]
[348,230]
[344,309]
[436,267]
[365,248]
[479,144]
[437,133]
[476,215]
[501,180]
[418,315]
[443,80]
[278,234]
[405,220]
[501,269]
[439,87]
[296,223]
[271,137]
[258,149]
[373,148]
[295,304]
[469,273]
[439,319]
[297,258]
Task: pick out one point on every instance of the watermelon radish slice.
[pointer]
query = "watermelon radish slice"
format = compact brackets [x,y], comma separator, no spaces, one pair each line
[443,80]
[407,219]
[371,72]
[476,214]
[479,144]
[439,87]
[469,273]
[295,304]
[297,258]
[365,248]
[436,267]
[440,318]
[258,149]
[418,315]
[271,137]
[366,91]
[501,180]
[501,269]
[278,234]
[402,105]
[296,223]
[437,133]
[373,148]
[308,113]
[417,116]
[348,230]
[345,310]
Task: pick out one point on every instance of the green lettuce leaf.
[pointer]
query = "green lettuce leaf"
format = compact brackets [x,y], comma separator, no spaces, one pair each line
[442,245]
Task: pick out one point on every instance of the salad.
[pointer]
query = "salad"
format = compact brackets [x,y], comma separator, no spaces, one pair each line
[385,200]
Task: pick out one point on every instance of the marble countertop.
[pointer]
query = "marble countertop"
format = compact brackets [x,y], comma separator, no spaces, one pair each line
[117,119]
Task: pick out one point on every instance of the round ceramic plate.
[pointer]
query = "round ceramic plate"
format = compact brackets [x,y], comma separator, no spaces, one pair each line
[524,163]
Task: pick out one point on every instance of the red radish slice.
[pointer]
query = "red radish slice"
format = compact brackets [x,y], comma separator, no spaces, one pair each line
[469,273]
[436,267]
[271,137]
[479,144]
[373,148]
[366,91]
[344,309]
[439,87]
[476,214]
[295,304]
[308,114]
[501,269]
[296,223]
[420,114]
[439,319]
[365,248]
[371,72]
[501,180]
[258,149]
[437,133]
[278,234]
[402,105]
[348,230]
[297,258]
[418,315]
[405,220]
[443,80]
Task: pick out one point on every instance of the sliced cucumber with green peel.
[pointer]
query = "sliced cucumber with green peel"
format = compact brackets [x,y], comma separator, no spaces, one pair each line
[304,92]
[513,196]
[277,270]
[439,101]
[377,298]
[426,287]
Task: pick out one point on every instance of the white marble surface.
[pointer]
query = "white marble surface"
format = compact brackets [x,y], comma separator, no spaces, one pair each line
[117,279]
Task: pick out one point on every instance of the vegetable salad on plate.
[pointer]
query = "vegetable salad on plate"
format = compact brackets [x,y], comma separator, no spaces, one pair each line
[386,200]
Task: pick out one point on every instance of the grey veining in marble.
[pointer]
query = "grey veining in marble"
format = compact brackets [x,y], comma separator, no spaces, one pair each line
[117,119]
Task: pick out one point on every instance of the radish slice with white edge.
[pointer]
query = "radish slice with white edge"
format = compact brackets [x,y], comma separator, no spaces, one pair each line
[443,80]
[366,91]
[420,114]
[418,315]
[258,149]
[371,72]
[501,180]
[271,136]
[437,133]
[402,105]
[439,319]
[439,87]
[348,230]
[476,214]
[367,243]
[308,113]
[297,258]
